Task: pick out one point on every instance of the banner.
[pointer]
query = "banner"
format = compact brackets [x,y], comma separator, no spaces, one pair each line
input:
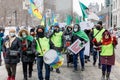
[76,46]
[86,25]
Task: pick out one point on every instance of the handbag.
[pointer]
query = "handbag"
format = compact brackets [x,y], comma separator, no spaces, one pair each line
[13,53]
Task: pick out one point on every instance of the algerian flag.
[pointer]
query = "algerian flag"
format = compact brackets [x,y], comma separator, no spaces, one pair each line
[83,9]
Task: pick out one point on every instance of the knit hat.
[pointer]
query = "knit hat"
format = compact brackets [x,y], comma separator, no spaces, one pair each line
[100,23]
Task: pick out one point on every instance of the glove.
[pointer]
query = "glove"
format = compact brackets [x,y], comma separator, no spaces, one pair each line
[37,53]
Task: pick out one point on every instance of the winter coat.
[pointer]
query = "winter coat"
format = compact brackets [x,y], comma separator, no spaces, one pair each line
[67,39]
[27,55]
[8,50]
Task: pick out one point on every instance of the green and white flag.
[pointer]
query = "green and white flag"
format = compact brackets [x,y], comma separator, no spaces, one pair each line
[83,9]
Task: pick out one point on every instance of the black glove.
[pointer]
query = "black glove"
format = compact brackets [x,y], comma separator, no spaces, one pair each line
[37,53]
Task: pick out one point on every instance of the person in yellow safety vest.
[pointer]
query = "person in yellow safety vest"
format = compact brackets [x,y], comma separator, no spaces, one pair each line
[57,41]
[40,46]
[97,35]
[107,55]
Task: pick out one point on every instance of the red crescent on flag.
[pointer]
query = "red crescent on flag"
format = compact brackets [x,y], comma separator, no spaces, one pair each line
[36,10]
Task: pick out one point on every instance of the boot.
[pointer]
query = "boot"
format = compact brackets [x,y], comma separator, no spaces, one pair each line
[12,78]
[103,76]
[9,78]
[82,69]
[25,76]
[51,69]
[94,63]
[57,70]
[25,79]
[0,62]
[108,76]
[30,74]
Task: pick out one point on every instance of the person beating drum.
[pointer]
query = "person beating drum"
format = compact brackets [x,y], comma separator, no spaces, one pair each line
[40,46]
[57,41]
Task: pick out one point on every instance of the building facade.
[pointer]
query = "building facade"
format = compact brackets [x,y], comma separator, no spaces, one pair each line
[13,14]
[94,7]
[61,8]
[116,12]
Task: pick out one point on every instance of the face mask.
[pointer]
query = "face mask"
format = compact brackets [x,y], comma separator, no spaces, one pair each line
[56,30]
[12,34]
[98,27]
[75,29]
[69,29]
[1,34]
[40,34]
[24,35]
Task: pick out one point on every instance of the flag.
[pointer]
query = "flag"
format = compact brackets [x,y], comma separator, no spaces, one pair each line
[30,11]
[35,10]
[54,19]
[49,22]
[77,21]
[53,16]
[32,1]
[83,9]
[43,21]
[69,20]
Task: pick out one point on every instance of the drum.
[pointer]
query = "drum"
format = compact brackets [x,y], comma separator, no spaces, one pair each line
[51,57]
[59,63]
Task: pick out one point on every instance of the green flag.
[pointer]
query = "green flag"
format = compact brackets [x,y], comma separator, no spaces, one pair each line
[49,22]
[69,20]
[83,9]
[77,21]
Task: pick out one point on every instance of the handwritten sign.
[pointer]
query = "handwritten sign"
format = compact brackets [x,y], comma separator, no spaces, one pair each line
[76,46]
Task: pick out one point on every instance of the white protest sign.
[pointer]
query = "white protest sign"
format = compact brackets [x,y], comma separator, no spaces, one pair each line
[87,49]
[76,46]
[86,25]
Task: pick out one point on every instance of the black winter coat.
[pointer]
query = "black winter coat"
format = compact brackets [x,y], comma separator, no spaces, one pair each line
[15,46]
[27,55]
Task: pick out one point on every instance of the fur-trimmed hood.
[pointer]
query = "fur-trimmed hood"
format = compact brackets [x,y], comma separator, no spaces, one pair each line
[23,30]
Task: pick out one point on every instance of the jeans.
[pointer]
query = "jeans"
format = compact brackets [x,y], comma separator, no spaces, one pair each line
[40,67]
[75,58]
[96,54]
[11,69]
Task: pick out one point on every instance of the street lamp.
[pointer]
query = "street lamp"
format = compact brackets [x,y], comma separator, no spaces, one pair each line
[15,12]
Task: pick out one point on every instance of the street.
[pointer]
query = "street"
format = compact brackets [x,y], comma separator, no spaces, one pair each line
[91,72]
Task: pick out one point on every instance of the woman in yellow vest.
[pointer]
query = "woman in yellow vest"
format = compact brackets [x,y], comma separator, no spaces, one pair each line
[107,55]
[40,47]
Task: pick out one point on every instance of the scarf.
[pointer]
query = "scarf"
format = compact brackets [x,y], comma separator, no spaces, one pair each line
[82,35]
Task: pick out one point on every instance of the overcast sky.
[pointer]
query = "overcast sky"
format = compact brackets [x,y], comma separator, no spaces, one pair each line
[76,7]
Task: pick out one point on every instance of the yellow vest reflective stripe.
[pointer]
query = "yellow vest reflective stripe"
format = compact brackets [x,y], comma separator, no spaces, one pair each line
[44,44]
[99,35]
[57,39]
[107,50]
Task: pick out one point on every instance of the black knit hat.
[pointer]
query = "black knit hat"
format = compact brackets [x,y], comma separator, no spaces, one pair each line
[100,23]
[32,30]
